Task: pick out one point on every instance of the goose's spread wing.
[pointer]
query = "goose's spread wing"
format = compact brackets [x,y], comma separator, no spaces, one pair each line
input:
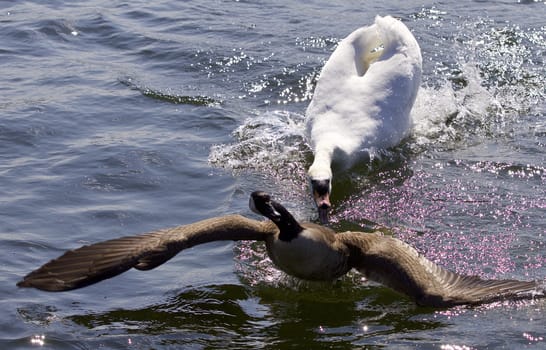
[93,263]
[399,266]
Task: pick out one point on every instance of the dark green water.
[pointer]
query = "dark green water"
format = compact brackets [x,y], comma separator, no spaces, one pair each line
[118,118]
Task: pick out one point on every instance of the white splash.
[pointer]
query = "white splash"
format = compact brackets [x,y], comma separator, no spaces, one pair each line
[267,142]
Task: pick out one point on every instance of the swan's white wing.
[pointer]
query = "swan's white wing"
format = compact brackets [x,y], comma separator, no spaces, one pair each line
[399,266]
[366,89]
[96,262]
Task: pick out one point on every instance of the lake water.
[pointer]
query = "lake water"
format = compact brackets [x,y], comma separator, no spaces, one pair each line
[118,118]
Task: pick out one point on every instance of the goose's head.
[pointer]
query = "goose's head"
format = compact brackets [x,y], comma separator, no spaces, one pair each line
[261,203]
[320,179]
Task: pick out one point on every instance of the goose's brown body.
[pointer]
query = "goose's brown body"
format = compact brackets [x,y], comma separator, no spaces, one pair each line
[317,253]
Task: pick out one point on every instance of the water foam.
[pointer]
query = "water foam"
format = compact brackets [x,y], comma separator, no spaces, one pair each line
[271,144]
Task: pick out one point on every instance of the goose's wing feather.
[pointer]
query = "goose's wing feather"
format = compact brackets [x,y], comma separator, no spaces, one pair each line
[454,289]
[399,266]
[93,263]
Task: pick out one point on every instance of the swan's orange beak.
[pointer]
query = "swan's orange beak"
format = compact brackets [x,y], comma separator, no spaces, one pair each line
[323,205]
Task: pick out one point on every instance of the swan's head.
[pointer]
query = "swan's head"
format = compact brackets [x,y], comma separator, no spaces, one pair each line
[260,203]
[320,179]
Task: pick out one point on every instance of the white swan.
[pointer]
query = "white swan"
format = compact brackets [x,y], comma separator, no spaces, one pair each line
[362,100]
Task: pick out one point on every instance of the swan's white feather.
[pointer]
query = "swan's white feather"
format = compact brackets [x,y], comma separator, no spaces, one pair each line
[365,93]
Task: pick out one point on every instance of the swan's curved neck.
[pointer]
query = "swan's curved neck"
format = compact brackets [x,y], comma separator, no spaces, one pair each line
[323,155]
[321,167]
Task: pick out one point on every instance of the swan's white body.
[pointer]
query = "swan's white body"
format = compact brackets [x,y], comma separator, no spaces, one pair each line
[364,94]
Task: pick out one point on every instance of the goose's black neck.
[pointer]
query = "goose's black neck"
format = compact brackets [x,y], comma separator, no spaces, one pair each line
[288,226]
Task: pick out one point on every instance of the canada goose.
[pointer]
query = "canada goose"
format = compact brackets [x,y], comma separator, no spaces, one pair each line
[307,251]
[362,100]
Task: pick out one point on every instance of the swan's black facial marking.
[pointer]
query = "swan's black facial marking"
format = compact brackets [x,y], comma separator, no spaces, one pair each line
[321,187]
[321,194]
[260,203]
